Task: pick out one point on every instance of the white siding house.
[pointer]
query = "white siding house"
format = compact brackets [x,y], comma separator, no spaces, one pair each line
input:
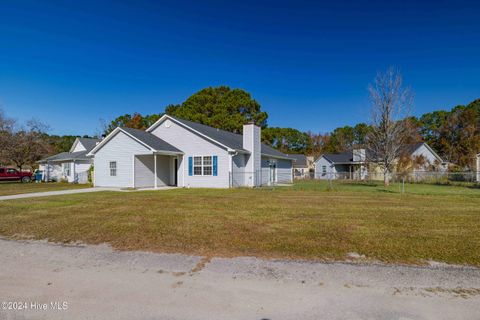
[130,158]
[114,162]
[176,152]
[195,146]
[324,168]
[72,166]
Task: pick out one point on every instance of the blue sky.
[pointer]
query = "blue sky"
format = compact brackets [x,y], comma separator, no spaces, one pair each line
[71,63]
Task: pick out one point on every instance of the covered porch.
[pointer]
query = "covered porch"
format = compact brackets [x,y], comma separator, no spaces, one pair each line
[351,171]
[156,170]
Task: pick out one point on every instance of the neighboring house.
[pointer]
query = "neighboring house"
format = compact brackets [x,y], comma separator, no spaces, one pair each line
[353,164]
[176,152]
[345,165]
[71,166]
[300,166]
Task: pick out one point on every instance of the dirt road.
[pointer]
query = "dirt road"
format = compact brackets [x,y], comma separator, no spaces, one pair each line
[93,282]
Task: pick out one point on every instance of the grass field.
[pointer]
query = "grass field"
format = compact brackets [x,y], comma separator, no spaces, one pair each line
[305,221]
[10,188]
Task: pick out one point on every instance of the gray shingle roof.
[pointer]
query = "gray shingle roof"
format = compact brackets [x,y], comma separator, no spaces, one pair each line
[67,156]
[89,143]
[229,139]
[410,148]
[151,140]
[346,156]
[269,151]
[300,159]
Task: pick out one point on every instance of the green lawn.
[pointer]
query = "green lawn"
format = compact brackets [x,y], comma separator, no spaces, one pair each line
[11,188]
[306,221]
[466,189]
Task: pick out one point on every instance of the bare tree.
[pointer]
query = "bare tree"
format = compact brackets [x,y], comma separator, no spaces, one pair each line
[318,143]
[22,146]
[6,130]
[390,104]
[102,129]
[6,124]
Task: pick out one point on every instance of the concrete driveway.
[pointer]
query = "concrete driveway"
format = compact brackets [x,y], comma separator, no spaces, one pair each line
[86,190]
[94,282]
[55,193]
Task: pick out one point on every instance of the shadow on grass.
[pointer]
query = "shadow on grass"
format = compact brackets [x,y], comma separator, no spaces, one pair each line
[386,190]
[360,184]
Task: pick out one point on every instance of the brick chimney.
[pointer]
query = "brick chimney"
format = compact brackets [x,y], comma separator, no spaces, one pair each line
[251,142]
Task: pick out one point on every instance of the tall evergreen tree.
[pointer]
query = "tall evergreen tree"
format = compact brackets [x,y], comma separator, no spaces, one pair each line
[221,107]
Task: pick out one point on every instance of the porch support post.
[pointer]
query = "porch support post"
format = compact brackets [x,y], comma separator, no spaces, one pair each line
[230,171]
[73,171]
[47,175]
[155,169]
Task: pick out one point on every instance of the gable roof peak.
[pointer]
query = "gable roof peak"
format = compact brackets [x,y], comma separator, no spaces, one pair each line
[229,140]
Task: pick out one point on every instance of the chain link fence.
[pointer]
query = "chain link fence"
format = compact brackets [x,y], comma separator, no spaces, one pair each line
[432,177]
[274,177]
[261,178]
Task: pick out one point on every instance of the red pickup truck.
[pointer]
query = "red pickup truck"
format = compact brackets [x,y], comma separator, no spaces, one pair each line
[10,174]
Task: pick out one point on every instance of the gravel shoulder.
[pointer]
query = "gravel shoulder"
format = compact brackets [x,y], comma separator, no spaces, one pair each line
[99,283]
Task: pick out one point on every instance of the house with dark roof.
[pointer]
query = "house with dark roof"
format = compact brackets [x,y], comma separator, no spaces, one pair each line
[353,164]
[72,166]
[177,152]
[302,165]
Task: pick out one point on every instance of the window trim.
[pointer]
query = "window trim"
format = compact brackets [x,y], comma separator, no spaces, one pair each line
[115,168]
[202,166]
[324,170]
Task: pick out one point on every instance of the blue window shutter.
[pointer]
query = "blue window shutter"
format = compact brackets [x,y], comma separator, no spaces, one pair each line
[214,165]
[190,166]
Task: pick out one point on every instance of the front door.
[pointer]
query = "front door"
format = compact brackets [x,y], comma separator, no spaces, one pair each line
[273,173]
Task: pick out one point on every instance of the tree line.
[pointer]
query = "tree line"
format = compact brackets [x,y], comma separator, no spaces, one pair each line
[23,144]
[454,133]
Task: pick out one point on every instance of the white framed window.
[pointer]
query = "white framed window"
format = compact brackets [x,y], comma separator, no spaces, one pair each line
[197,166]
[202,166]
[207,166]
[324,170]
[66,169]
[113,168]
